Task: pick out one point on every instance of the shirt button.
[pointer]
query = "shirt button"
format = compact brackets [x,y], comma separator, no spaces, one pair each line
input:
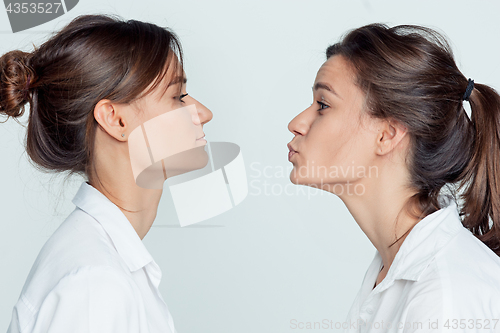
[369,310]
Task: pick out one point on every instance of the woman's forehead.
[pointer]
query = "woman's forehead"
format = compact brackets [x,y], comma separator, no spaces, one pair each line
[337,74]
[336,68]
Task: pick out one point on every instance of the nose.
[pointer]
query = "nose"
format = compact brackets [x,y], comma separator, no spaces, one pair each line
[300,124]
[204,114]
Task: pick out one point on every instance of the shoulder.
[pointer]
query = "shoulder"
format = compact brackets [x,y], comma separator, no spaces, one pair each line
[79,241]
[85,298]
[464,261]
[471,276]
[462,281]
[78,226]
[94,284]
[96,281]
[78,249]
[468,261]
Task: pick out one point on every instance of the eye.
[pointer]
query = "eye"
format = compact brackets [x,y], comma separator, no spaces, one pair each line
[181,97]
[322,105]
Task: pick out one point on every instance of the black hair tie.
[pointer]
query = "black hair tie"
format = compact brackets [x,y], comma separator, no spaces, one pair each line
[468,91]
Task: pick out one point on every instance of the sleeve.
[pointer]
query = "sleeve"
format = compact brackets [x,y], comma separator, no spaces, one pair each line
[92,299]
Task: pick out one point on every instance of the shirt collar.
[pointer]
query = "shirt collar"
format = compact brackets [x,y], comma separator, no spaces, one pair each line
[423,242]
[127,242]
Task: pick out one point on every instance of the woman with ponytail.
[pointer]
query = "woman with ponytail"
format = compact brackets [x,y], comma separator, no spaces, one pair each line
[88,87]
[389,104]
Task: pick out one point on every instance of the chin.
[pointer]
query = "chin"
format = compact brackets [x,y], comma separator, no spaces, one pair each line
[297,180]
[319,183]
[295,177]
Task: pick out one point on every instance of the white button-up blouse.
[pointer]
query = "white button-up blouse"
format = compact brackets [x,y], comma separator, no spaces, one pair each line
[442,279]
[93,274]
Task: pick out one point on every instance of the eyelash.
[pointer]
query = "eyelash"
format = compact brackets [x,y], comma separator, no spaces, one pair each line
[322,105]
[181,97]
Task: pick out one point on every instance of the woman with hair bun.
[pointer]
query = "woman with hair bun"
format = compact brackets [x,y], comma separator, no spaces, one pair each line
[88,87]
[389,104]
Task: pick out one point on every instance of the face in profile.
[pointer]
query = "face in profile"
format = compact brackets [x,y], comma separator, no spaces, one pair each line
[169,138]
[334,138]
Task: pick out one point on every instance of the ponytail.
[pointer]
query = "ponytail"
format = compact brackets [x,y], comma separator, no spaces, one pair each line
[481,178]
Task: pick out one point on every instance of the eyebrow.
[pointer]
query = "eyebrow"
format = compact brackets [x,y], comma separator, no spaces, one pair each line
[326,86]
[176,80]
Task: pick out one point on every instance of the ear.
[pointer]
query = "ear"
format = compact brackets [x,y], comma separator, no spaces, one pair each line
[111,120]
[391,133]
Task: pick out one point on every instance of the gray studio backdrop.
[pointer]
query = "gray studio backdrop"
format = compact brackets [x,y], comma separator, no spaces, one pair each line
[286,254]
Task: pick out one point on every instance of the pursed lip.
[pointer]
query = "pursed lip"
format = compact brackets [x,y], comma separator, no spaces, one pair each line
[291,151]
[201,137]
[290,148]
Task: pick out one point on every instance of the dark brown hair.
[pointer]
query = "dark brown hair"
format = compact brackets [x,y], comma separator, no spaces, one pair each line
[409,74]
[94,57]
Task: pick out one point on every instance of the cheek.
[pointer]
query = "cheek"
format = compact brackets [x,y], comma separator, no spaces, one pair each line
[329,141]
[357,159]
[333,150]
[171,133]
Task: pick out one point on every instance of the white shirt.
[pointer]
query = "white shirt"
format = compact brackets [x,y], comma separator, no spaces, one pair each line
[93,274]
[442,279]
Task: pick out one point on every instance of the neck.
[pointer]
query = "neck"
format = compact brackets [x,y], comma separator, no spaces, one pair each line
[117,183]
[379,210]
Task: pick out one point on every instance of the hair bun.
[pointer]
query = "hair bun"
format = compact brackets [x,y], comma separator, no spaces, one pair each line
[14,84]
